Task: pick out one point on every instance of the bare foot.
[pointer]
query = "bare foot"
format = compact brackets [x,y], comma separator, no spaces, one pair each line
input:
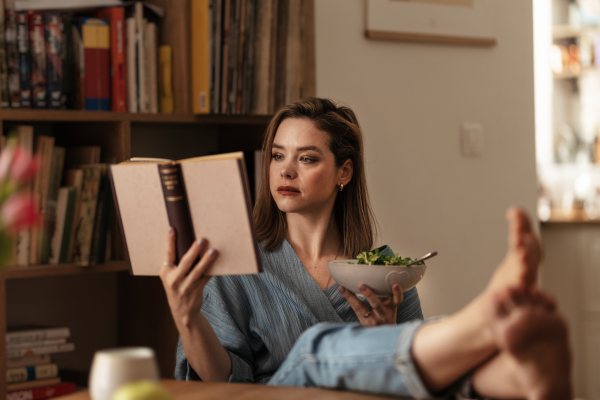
[534,338]
[520,266]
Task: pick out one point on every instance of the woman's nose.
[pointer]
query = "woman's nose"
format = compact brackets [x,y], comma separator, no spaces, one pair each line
[287,171]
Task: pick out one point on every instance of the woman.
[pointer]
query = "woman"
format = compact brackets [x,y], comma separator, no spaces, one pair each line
[313,207]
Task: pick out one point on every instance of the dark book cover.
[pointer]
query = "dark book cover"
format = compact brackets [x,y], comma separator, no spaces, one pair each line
[68,82]
[12,60]
[4,97]
[54,44]
[38,59]
[281,54]
[24,63]
[177,207]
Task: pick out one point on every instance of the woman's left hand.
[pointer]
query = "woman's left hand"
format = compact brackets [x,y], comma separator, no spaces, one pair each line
[383,310]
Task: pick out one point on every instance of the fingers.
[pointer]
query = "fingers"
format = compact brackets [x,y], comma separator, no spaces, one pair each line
[197,274]
[169,258]
[378,307]
[358,306]
[397,295]
[189,258]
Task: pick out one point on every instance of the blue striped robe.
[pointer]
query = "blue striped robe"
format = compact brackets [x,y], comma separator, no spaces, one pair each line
[257,318]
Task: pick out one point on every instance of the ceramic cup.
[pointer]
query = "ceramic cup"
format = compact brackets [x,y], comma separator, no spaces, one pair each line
[112,368]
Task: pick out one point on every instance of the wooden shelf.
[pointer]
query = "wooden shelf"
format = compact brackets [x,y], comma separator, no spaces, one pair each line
[38,271]
[109,116]
[569,32]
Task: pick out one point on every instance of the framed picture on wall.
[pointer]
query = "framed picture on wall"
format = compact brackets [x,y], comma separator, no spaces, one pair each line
[457,22]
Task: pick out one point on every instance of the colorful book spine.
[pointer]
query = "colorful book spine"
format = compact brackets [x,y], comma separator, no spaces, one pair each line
[54,44]
[89,204]
[24,63]
[12,59]
[23,374]
[201,56]
[38,59]
[116,18]
[42,393]
[4,98]
[95,34]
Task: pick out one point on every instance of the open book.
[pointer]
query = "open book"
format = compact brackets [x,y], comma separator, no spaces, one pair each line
[199,197]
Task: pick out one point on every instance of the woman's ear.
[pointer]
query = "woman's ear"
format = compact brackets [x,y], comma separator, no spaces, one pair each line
[346,171]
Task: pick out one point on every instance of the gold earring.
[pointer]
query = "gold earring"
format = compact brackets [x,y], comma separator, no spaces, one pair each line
[341,187]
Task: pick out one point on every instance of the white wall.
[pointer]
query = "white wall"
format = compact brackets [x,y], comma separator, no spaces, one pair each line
[411,100]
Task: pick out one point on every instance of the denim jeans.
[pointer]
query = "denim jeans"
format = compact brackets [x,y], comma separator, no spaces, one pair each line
[350,356]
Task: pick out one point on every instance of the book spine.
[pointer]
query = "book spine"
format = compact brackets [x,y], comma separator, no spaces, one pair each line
[24,63]
[38,60]
[38,343]
[151,64]
[87,213]
[165,79]
[177,207]
[37,335]
[143,103]
[12,60]
[131,66]
[201,56]
[68,227]
[4,98]
[28,361]
[31,373]
[32,384]
[59,348]
[54,44]
[95,35]
[100,211]
[42,393]
[116,18]
[67,59]
[225,57]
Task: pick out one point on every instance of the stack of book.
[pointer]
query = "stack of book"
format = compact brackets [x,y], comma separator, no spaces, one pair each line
[247,55]
[72,193]
[30,372]
[93,60]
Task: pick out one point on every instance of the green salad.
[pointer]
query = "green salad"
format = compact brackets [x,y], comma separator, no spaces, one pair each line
[374,258]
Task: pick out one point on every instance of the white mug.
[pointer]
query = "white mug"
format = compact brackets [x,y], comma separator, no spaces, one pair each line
[113,368]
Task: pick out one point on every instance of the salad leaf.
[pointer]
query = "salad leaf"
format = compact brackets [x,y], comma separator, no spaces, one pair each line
[374,258]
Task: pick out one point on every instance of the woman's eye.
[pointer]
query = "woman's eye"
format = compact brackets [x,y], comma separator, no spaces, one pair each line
[306,160]
[277,157]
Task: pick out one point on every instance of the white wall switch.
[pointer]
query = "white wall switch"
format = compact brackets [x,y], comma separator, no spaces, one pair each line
[471,139]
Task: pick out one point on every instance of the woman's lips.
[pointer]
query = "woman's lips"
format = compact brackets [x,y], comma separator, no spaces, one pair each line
[288,191]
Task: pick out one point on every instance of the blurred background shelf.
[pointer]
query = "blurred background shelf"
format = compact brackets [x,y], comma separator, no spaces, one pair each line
[46,270]
[109,116]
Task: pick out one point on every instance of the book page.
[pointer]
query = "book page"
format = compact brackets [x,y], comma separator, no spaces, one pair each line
[220,213]
[143,214]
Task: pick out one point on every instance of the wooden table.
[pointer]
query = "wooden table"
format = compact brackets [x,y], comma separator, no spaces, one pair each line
[186,390]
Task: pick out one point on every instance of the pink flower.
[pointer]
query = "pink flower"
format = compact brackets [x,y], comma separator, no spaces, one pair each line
[18,212]
[24,166]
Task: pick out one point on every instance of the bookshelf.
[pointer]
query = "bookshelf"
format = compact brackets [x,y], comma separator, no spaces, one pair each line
[102,304]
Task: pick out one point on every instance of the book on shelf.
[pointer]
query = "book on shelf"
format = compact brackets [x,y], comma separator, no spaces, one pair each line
[43,148]
[55,177]
[32,384]
[201,49]
[31,373]
[37,45]
[4,99]
[27,334]
[28,361]
[95,36]
[131,49]
[90,186]
[49,349]
[54,54]
[199,197]
[24,62]
[165,79]
[37,343]
[63,4]
[68,60]
[42,393]
[116,19]
[12,59]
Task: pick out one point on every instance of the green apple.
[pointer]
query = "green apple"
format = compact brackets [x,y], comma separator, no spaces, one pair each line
[141,390]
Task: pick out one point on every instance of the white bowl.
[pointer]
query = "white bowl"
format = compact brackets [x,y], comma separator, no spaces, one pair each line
[380,278]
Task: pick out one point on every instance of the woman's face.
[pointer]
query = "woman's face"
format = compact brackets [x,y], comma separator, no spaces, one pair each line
[303,175]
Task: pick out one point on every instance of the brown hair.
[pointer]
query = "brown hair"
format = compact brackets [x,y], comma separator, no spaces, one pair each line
[352,209]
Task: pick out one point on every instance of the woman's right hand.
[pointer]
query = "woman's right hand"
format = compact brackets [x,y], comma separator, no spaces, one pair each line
[184,283]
